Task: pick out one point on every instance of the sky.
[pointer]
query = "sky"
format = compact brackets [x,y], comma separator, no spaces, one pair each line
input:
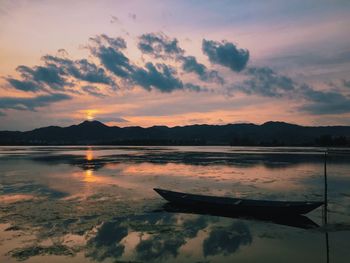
[174,63]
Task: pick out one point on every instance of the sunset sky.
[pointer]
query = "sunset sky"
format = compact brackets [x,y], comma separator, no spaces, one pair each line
[171,63]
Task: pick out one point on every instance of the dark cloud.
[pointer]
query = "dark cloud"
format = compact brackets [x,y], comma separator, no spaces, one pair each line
[190,64]
[115,61]
[60,72]
[266,82]
[152,76]
[193,87]
[311,59]
[108,51]
[104,40]
[80,69]
[226,54]
[159,45]
[160,77]
[346,83]
[324,102]
[93,91]
[39,78]
[51,75]
[54,74]
[24,85]
[31,103]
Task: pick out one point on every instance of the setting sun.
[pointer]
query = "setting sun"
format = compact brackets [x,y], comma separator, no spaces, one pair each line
[90,114]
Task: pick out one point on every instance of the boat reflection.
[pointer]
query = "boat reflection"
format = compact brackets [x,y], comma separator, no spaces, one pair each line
[296,220]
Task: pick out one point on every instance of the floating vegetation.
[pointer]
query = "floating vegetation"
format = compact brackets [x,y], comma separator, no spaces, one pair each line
[27,252]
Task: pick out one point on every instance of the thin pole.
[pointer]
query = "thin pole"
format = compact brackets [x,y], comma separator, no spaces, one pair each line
[325,189]
[327,247]
[326,205]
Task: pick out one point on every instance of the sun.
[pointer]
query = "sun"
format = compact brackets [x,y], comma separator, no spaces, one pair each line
[90,114]
[89,117]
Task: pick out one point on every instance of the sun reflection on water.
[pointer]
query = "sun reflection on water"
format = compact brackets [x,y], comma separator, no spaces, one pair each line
[89,176]
[89,173]
[89,156]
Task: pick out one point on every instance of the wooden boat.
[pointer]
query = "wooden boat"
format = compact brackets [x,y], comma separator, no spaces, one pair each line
[238,205]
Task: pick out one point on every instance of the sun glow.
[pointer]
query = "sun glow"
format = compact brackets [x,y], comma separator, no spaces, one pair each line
[90,114]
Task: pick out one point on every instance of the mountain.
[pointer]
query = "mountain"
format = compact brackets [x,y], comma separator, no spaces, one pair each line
[267,134]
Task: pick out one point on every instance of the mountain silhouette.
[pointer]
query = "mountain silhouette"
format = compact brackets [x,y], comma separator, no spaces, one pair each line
[245,134]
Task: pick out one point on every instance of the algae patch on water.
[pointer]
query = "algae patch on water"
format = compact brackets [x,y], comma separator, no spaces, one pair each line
[27,252]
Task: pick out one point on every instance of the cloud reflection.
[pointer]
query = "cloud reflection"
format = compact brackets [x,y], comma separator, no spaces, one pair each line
[227,241]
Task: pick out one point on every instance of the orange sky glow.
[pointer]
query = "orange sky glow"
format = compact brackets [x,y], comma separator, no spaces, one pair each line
[126,64]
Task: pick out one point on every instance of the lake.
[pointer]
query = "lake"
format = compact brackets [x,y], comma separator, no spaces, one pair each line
[82,204]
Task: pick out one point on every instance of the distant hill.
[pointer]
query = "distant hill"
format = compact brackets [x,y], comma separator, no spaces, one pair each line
[246,134]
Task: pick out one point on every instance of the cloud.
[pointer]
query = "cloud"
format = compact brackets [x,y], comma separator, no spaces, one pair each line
[115,19]
[115,61]
[346,83]
[38,78]
[103,40]
[24,85]
[80,69]
[324,102]
[49,75]
[190,64]
[93,91]
[160,77]
[312,58]
[193,87]
[20,103]
[60,71]
[159,45]
[225,54]
[266,82]
[112,119]
[107,50]
[54,74]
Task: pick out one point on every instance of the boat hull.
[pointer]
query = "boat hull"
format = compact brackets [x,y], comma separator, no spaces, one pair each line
[237,205]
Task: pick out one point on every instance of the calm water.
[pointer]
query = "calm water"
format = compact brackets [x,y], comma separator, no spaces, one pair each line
[82,204]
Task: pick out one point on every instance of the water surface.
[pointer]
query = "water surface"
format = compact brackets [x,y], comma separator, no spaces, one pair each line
[97,204]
